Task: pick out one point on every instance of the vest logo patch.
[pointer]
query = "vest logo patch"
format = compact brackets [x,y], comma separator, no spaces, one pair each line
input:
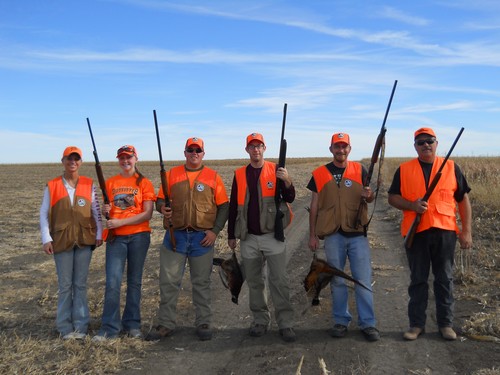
[81,202]
[270,185]
[200,187]
[348,183]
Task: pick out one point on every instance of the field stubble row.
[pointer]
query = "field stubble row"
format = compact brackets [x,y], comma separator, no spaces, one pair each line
[29,287]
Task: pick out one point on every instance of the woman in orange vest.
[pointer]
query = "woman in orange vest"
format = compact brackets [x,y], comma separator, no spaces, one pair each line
[71,227]
[436,235]
[132,198]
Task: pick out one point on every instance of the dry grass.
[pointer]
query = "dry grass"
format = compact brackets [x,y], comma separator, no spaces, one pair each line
[28,284]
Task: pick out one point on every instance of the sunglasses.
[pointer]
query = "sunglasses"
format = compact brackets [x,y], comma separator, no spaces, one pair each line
[74,158]
[125,149]
[422,142]
[190,150]
[255,147]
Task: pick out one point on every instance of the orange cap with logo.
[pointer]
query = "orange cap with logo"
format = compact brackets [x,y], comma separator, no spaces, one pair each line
[72,150]
[340,138]
[127,150]
[428,131]
[255,137]
[195,141]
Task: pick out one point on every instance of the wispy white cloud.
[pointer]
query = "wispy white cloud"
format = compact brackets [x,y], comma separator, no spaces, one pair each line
[425,108]
[287,16]
[209,56]
[398,15]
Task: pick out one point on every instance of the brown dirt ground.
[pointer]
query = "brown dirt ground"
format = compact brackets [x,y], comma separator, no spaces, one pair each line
[28,295]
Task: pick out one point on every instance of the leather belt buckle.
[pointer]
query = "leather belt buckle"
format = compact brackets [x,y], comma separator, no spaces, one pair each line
[190,230]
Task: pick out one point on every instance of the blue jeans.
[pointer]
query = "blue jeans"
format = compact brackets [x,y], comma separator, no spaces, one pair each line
[72,268]
[132,250]
[338,248]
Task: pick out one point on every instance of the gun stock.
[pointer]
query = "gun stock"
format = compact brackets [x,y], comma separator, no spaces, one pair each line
[408,242]
[102,182]
[167,224]
[279,231]
[376,152]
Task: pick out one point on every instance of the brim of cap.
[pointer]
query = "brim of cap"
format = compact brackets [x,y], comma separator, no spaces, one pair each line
[125,153]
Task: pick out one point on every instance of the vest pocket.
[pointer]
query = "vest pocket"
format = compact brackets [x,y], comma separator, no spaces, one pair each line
[445,208]
[179,214]
[60,237]
[88,230]
[325,222]
[205,216]
[352,215]
[269,212]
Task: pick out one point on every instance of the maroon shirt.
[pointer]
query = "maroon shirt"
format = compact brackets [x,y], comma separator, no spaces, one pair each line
[252,175]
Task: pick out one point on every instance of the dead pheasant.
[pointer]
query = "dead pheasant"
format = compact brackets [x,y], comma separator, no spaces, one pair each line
[231,275]
[320,274]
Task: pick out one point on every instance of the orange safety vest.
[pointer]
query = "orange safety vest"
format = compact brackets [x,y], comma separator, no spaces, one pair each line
[71,225]
[441,209]
[267,205]
[338,204]
[194,206]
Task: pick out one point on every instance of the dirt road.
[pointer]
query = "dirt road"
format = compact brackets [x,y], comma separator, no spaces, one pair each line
[233,351]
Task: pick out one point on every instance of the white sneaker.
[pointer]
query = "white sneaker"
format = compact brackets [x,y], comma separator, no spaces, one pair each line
[99,338]
[74,336]
[135,333]
[79,335]
[69,336]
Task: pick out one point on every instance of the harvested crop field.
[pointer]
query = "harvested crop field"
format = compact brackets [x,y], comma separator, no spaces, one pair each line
[29,343]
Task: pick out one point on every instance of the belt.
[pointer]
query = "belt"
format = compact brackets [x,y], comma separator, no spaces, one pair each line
[189,230]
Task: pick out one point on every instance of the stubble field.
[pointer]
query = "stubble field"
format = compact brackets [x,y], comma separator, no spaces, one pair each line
[28,284]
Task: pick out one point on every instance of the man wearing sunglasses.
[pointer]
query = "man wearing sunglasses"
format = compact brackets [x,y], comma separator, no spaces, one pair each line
[436,235]
[198,210]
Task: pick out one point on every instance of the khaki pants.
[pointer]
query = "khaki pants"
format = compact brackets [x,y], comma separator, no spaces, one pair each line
[172,266]
[256,250]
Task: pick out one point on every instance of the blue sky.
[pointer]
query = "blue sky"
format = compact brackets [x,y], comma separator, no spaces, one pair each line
[223,69]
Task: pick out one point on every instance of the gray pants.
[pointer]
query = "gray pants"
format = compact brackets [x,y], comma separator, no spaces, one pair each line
[172,267]
[256,250]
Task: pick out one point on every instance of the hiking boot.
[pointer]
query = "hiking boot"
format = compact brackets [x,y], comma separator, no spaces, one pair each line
[135,333]
[258,330]
[204,332]
[371,333]
[160,333]
[413,333]
[338,331]
[287,334]
[448,333]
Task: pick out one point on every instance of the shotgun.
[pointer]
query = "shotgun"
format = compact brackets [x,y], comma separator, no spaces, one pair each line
[102,183]
[167,224]
[376,152]
[413,229]
[279,232]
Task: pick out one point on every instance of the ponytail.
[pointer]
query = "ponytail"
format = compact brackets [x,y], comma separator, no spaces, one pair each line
[140,177]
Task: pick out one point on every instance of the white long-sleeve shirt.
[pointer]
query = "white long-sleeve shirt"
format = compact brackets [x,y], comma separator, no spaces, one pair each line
[44,211]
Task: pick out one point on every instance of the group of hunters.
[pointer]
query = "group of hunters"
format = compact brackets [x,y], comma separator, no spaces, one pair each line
[197,208]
